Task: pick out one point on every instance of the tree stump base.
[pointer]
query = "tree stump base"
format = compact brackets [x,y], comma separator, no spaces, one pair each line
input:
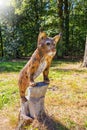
[34,107]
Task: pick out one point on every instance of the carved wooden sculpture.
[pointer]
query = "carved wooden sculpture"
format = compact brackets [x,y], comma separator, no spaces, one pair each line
[39,62]
[33,105]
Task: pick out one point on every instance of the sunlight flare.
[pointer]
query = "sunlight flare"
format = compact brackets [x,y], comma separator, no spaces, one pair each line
[4,3]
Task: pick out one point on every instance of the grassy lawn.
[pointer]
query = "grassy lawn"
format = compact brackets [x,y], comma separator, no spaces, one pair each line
[66,98]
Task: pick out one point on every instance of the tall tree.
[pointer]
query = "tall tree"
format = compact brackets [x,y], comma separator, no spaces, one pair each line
[66,23]
[29,12]
[85,55]
[60,14]
[2,53]
[21,21]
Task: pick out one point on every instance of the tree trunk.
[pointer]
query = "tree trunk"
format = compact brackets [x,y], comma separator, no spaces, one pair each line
[60,25]
[60,14]
[2,54]
[34,107]
[66,19]
[85,55]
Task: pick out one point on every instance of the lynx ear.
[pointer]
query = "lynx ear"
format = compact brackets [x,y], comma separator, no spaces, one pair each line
[56,38]
[42,35]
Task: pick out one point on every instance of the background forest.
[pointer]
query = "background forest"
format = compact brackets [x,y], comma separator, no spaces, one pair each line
[20,21]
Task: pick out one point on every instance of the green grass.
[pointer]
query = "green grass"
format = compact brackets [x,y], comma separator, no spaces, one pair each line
[11,66]
[66,97]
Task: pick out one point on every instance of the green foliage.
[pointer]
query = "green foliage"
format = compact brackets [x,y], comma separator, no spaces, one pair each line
[20,22]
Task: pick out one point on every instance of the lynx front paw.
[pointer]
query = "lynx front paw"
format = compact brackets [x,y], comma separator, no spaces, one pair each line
[47,81]
[32,84]
[23,99]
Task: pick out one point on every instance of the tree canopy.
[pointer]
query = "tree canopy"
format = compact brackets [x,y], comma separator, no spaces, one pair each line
[20,21]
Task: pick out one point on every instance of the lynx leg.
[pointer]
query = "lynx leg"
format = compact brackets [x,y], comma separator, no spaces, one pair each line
[23,84]
[45,75]
[32,83]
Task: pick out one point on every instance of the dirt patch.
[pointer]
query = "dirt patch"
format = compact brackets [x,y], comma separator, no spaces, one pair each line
[4,123]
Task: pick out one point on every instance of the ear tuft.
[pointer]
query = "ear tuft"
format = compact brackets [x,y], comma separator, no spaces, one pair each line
[42,35]
[41,29]
[56,38]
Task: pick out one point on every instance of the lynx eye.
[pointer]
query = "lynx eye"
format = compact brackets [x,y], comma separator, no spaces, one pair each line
[53,44]
[48,43]
[42,38]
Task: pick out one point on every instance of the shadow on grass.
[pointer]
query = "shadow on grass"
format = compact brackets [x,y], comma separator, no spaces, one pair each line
[62,61]
[16,66]
[68,70]
[11,66]
[45,122]
[48,123]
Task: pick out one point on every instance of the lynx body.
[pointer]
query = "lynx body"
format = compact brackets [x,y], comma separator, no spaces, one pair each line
[39,63]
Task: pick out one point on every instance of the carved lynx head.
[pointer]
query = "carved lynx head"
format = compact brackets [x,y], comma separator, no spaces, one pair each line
[46,44]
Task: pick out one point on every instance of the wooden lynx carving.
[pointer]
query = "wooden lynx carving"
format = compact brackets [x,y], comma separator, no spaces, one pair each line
[39,62]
